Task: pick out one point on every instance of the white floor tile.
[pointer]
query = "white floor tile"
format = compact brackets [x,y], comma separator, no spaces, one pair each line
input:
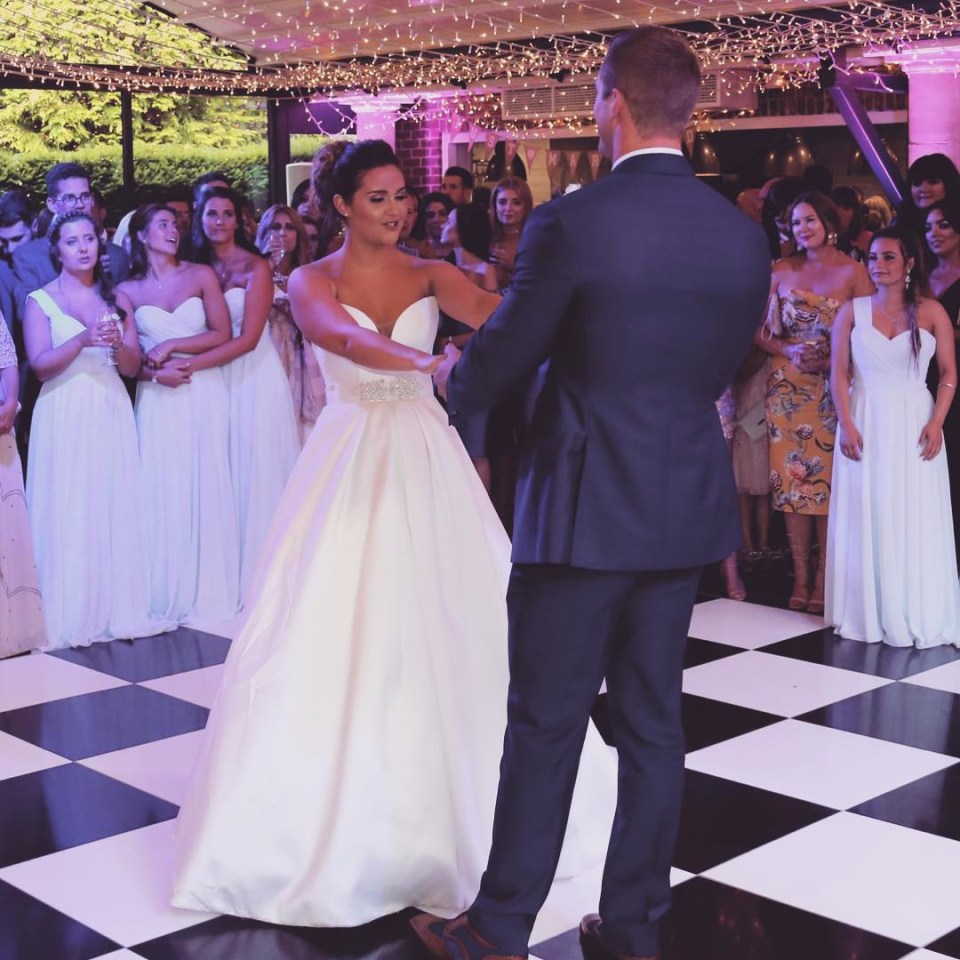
[25,681]
[878,876]
[17,757]
[779,685]
[196,686]
[162,767]
[748,625]
[926,955]
[119,955]
[119,886]
[810,762]
[945,678]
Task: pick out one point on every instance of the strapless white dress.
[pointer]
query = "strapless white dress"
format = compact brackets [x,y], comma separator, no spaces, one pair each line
[191,521]
[264,442]
[86,500]
[350,764]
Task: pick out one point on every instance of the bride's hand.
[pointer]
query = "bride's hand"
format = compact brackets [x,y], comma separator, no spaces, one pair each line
[445,364]
[427,364]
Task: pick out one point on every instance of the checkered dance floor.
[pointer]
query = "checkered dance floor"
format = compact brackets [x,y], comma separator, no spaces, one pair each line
[821,820]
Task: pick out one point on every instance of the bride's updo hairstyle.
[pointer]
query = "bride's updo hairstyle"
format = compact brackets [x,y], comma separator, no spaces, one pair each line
[339,167]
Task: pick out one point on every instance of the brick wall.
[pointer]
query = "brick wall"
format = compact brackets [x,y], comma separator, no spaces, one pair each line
[419,149]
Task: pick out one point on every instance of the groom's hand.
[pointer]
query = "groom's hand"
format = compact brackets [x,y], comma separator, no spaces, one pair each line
[450,356]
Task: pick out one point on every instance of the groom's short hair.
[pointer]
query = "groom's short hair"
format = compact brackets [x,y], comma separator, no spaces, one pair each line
[658,76]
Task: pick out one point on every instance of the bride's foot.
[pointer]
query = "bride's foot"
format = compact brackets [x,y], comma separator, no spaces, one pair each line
[735,586]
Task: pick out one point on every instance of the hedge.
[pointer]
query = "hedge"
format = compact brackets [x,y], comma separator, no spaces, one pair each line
[155,167]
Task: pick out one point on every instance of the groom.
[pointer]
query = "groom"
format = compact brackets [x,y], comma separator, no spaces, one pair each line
[643,290]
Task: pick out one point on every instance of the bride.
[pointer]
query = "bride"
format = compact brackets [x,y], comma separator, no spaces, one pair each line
[349,767]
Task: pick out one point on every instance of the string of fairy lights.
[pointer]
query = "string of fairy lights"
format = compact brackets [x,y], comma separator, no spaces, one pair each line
[143,50]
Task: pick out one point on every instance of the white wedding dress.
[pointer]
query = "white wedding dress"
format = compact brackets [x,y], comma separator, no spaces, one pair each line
[350,763]
[891,565]
[86,500]
[191,520]
[264,443]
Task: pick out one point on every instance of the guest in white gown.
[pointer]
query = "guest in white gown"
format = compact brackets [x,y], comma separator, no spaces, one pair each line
[349,767]
[183,422]
[84,484]
[891,567]
[264,443]
[21,612]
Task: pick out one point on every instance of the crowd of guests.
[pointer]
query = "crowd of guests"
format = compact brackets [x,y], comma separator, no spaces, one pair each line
[858,349]
[148,515]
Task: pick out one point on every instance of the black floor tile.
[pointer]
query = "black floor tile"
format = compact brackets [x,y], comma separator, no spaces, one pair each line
[931,804]
[151,657]
[899,712]
[95,723]
[721,819]
[710,921]
[33,931]
[706,722]
[949,945]
[232,938]
[66,806]
[706,651]
[876,659]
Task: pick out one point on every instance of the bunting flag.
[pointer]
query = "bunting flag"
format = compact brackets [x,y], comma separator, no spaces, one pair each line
[529,154]
[594,157]
[509,152]
[554,159]
[490,144]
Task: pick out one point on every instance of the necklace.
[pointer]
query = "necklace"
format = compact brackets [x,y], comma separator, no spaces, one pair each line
[152,272]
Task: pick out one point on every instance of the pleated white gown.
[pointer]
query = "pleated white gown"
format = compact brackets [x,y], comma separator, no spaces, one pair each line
[264,444]
[350,763]
[891,564]
[86,500]
[191,519]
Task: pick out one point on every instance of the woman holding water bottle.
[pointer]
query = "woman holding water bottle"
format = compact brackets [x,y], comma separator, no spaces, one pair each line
[83,476]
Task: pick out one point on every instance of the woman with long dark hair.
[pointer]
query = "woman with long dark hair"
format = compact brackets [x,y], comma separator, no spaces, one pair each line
[891,562]
[263,431]
[349,767]
[931,179]
[183,420]
[84,482]
[282,237]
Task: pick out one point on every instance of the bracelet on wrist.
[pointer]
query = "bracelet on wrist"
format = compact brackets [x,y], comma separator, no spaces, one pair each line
[943,383]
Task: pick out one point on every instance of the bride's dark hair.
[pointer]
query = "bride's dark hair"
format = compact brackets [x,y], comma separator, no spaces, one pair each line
[339,167]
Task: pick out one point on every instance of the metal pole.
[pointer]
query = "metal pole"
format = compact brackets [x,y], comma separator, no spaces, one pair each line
[126,139]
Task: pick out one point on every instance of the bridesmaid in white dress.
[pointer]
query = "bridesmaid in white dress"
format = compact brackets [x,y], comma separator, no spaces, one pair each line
[264,443]
[891,564]
[21,612]
[183,421]
[84,486]
[350,764]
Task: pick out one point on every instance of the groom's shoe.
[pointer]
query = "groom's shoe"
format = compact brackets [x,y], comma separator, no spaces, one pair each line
[455,939]
[594,947]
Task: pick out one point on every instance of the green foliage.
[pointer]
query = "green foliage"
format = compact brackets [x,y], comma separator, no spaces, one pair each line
[155,167]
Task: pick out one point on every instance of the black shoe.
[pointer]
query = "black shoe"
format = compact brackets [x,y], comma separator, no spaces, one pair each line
[593,947]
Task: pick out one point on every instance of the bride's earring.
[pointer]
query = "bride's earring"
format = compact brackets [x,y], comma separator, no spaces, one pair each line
[906,281]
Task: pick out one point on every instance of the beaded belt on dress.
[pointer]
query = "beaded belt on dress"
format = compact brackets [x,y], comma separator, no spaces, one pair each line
[387,390]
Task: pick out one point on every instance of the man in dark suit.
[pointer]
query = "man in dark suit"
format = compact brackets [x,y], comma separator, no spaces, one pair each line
[68,190]
[643,290]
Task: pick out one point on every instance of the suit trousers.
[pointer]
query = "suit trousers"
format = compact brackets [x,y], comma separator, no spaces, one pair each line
[569,629]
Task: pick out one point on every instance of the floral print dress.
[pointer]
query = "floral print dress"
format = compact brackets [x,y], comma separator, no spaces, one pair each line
[801,419]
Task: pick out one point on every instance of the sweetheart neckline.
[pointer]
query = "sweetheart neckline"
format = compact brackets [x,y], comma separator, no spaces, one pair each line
[154,306]
[401,314]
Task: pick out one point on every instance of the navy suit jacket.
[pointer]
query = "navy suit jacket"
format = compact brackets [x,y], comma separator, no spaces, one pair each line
[643,290]
[33,268]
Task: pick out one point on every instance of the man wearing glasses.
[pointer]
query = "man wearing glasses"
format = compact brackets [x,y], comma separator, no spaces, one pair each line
[68,189]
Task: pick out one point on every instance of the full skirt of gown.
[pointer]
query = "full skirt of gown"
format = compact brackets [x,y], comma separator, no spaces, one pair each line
[350,763]
[891,565]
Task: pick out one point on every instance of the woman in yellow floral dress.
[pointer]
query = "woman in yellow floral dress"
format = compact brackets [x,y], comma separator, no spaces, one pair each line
[806,292]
